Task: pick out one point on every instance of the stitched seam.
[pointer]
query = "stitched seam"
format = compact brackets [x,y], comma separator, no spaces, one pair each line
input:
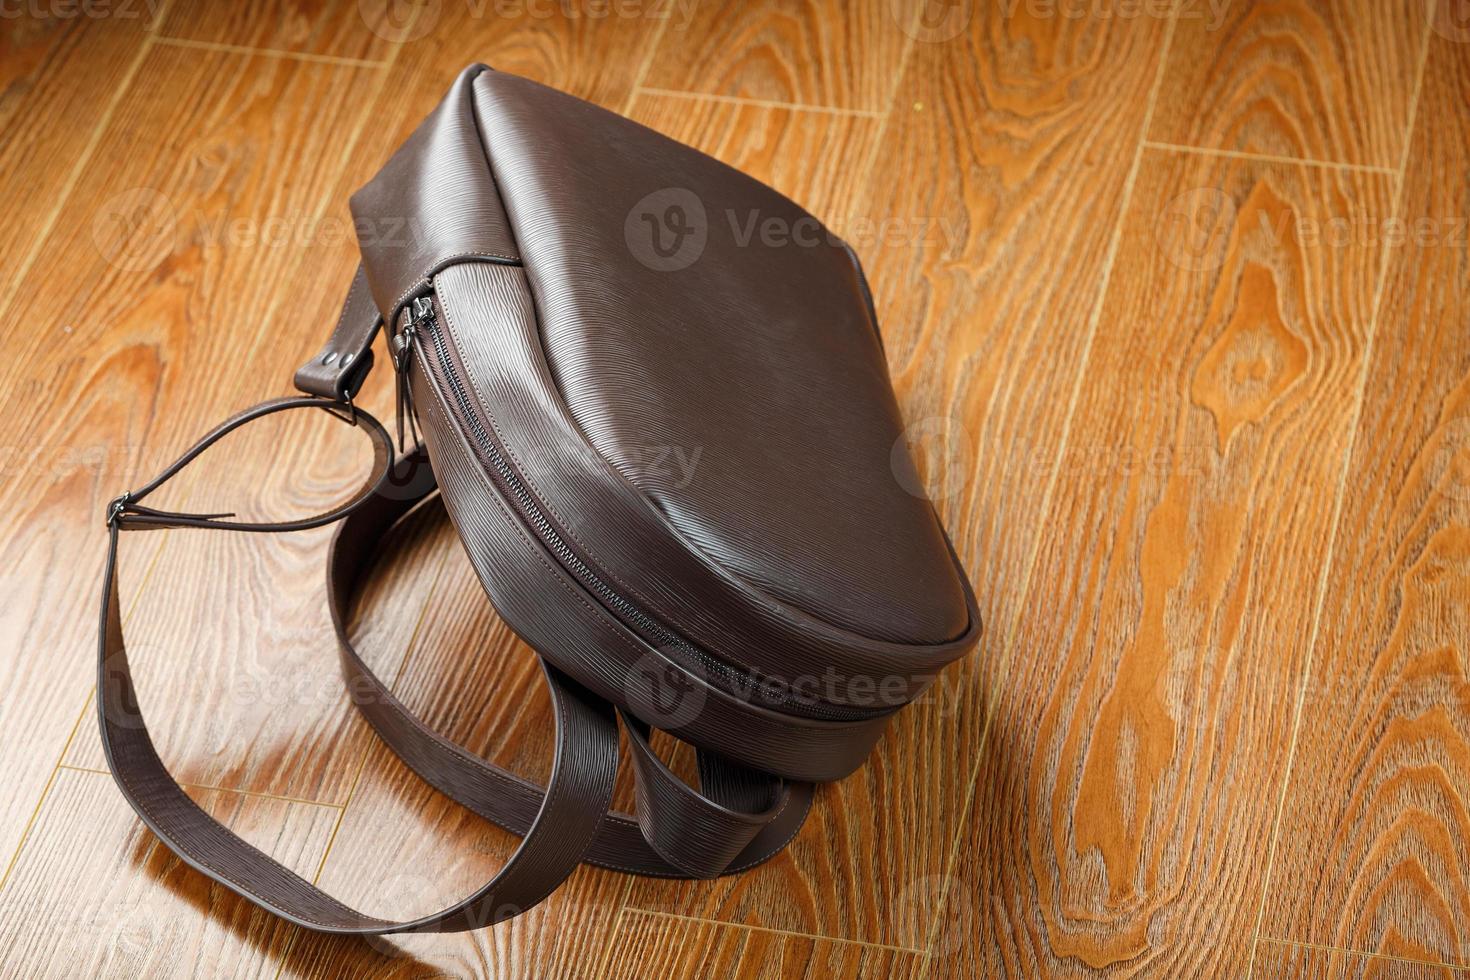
[781,844]
[718,811]
[553,787]
[490,417]
[567,527]
[342,317]
[484,765]
[600,616]
[455,749]
[504,778]
[423,280]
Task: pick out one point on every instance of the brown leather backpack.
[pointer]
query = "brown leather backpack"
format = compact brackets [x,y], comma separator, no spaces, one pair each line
[572,297]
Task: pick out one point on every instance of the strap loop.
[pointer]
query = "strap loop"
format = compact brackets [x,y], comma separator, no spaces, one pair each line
[126,511]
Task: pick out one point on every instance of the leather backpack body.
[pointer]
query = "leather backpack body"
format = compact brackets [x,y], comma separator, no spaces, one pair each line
[669,444]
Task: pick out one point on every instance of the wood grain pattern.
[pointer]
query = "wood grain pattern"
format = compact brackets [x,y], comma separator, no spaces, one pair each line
[593,50]
[234,655]
[1373,850]
[1142,729]
[159,275]
[1279,961]
[97,895]
[1148,552]
[796,52]
[98,375]
[985,344]
[655,947]
[297,464]
[1295,78]
[52,68]
[985,340]
[226,708]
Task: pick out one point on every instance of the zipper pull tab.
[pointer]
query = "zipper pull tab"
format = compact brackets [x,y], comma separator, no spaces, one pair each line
[420,312]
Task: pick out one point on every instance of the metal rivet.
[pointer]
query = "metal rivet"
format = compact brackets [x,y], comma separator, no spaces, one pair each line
[346,359]
[329,357]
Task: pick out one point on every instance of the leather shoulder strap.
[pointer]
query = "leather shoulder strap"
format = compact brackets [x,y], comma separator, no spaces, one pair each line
[577,796]
[739,818]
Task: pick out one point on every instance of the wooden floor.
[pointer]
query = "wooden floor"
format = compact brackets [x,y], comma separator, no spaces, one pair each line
[1177,301]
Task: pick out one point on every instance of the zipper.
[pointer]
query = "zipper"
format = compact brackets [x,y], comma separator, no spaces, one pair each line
[424,323]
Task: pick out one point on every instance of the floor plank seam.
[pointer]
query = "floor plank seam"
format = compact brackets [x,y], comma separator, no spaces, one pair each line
[1352,441]
[1363,168]
[998,878]
[629,102]
[1345,951]
[221,47]
[325,203]
[654,43]
[758,103]
[865,181]
[616,929]
[208,788]
[1002,662]
[77,725]
[796,934]
[30,825]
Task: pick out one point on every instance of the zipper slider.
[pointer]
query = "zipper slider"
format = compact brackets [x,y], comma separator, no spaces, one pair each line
[421,312]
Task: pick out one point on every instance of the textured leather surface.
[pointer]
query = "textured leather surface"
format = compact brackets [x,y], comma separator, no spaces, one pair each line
[490,317]
[432,204]
[551,612]
[760,357]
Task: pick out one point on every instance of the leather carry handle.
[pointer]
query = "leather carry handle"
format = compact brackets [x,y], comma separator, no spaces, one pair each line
[744,818]
[340,367]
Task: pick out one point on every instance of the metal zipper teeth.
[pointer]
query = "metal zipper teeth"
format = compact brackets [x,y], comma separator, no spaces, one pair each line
[650,628]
